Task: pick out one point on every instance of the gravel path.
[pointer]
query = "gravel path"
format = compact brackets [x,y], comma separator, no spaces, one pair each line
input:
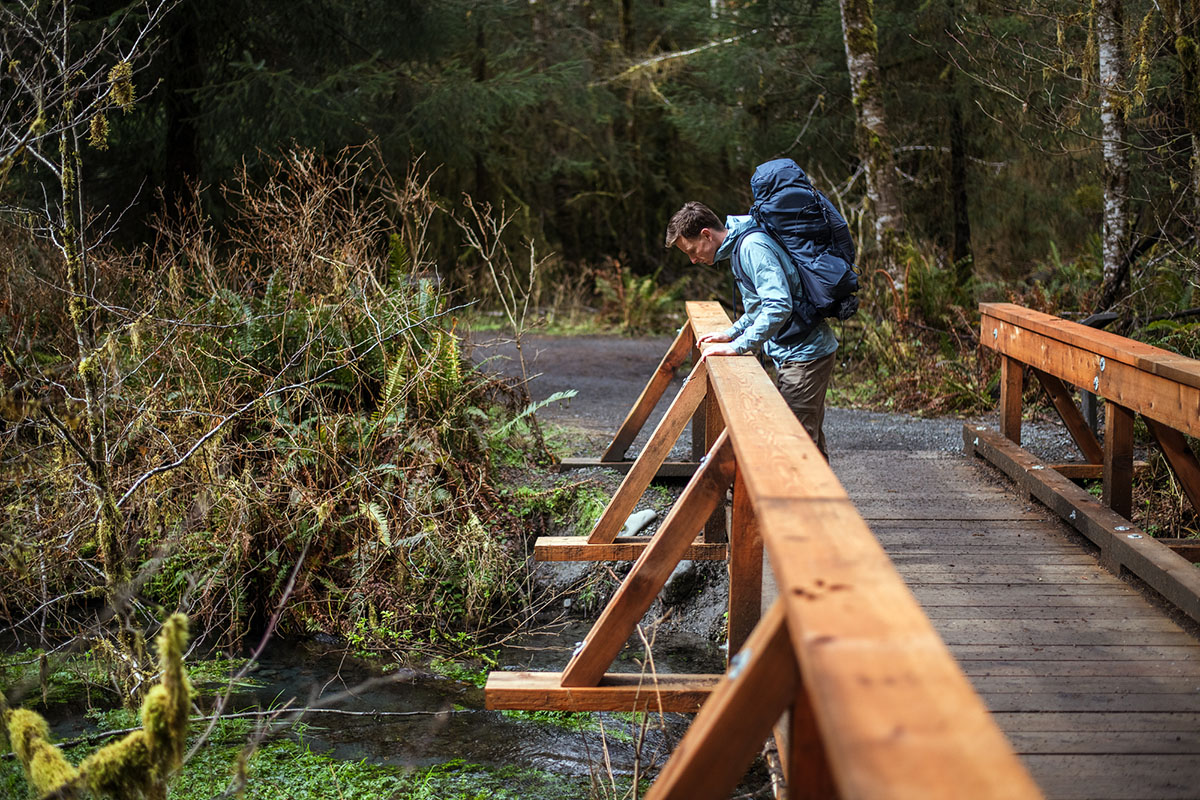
[609,373]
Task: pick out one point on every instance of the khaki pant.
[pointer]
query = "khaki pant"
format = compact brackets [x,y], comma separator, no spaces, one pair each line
[803,385]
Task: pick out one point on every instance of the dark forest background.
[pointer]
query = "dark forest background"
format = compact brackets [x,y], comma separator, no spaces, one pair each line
[594,121]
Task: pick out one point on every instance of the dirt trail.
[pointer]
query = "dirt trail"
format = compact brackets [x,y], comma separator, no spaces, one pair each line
[609,372]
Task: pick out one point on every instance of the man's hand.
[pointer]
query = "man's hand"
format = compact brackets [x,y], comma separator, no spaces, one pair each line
[718,350]
[713,337]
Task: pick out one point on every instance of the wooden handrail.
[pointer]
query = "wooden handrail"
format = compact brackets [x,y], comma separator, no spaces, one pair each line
[875,705]
[895,713]
[1149,380]
[1134,378]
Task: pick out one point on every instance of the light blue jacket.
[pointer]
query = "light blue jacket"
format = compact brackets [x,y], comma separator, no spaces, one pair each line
[769,304]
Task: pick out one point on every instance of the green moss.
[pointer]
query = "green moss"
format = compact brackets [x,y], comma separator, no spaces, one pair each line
[46,768]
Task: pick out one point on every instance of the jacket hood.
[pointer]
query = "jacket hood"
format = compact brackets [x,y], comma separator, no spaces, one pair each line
[736,227]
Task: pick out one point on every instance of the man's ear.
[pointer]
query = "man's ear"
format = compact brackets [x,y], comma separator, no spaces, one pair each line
[706,234]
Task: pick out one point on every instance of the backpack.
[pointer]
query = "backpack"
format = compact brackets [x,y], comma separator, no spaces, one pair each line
[814,234]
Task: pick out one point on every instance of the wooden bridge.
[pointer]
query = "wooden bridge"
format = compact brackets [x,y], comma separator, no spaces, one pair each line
[929,630]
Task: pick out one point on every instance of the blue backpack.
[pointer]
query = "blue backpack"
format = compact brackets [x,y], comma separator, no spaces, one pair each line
[816,237]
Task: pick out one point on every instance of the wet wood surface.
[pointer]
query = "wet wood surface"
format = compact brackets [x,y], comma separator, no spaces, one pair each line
[1094,684]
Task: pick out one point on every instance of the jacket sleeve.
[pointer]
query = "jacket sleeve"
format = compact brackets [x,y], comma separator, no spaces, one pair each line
[771,309]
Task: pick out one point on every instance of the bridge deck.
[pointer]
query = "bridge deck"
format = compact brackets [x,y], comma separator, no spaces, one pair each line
[1094,684]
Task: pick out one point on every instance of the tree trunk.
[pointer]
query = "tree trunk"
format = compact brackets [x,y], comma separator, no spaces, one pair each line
[1113,105]
[874,143]
[1182,17]
[183,77]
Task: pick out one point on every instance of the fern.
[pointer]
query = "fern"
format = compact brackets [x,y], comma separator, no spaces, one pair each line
[533,408]
[375,513]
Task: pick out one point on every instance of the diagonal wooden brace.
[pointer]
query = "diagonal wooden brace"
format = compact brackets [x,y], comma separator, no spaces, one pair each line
[677,353]
[1181,458]
[642,472]
[1089,445]
[650,572]
[731,727]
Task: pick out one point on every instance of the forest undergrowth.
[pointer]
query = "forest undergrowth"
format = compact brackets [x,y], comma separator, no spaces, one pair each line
[299,444]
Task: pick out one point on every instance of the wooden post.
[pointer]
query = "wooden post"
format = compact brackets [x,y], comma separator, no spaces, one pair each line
[716,530]
[745,568]
[805,765]
[1118,458]
[1012,384]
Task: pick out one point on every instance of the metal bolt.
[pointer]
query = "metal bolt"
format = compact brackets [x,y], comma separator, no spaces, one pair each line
[1134,536]
[1072,515]
[1096,384]
[1037,466]
[980,428]
[976,441]
[1121,528]
[995,333]
[1102,363]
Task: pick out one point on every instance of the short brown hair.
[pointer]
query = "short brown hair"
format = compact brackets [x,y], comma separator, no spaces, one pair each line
[690,220]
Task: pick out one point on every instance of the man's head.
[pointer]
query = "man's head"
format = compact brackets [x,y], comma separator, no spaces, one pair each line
[697,231]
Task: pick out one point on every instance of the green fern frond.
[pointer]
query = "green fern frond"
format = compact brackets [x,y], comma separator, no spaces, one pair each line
[376,514]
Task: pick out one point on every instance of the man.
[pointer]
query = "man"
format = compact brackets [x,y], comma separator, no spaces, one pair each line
[769,284]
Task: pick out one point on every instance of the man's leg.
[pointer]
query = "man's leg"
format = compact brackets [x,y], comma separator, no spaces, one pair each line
[803,385]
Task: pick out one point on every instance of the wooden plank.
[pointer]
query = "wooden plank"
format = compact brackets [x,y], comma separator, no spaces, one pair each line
[1118,459]
[1091,702]
[1083,613]
[1113,723]
[652,456]
[1119,686]
[1084,438]
[1102,777]
[676,354]
[1121,544]
[1188,549]
[623,548]
[1012,387]
[1112,346]
[1181,458]
[1168,400]
[729,731]
[653,567]
[1117,652]
[1106,743]
[1083,669]
[542,691]
[668,469]
[745,568]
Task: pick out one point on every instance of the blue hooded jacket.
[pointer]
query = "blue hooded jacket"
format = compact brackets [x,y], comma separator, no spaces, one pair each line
[771,282]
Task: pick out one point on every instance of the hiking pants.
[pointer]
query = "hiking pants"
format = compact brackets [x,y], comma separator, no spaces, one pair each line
[803,385]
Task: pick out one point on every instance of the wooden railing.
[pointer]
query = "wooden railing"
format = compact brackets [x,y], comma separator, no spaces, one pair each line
[1134,379]
[864,698]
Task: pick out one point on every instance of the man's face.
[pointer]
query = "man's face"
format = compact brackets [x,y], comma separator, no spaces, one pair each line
[702,249]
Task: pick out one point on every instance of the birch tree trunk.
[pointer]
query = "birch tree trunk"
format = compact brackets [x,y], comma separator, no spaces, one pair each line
[874,143]
[1113,104]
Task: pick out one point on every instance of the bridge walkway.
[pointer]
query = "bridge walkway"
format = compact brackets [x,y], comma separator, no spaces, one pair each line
[1094,684]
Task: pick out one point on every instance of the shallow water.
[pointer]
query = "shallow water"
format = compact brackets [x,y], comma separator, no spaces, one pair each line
[445,719]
